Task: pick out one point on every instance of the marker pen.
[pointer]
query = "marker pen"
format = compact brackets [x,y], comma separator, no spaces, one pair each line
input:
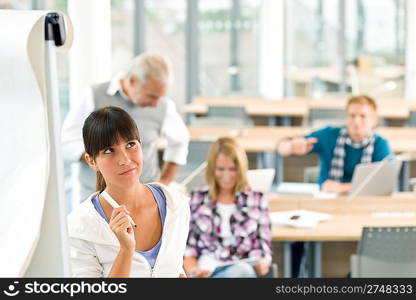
[114,204]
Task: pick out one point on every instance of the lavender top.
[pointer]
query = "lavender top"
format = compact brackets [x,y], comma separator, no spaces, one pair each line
[160,198]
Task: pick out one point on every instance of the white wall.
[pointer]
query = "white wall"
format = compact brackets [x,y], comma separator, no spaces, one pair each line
[271,55]
[410,83]
[90,56]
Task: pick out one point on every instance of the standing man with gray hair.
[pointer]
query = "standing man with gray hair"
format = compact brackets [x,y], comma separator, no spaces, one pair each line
[141,90]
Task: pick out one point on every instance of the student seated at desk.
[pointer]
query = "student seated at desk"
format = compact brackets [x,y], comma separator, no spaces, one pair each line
[103,239]
[340,149]
[229,221]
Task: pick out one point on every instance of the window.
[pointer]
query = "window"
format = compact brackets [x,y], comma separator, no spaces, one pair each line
[165,34]
[228,47]
[122,36]
[379,61]
[312,54]
[15,4]
[62,62]
[317,55]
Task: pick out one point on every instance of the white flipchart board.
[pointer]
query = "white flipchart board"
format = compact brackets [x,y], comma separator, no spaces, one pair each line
[33,233]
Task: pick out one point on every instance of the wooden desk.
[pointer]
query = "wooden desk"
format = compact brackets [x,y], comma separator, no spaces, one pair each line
[387,108]
[265,138]
[401,138]
[349,216]
[296,107]
[255,107]
[252,139]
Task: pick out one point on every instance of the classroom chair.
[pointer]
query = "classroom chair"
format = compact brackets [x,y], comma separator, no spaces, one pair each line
[224,116]
[385,252]
[197,154]
[311,174]
[319,118]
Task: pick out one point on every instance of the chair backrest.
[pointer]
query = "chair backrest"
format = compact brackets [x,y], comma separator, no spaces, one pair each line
[197,154]
[412,119]
[227,111]
[387,252]
[311,174]
[326,117]
[220,121]
[236,114]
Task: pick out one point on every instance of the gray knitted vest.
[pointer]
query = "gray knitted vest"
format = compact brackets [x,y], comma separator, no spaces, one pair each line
[149,121]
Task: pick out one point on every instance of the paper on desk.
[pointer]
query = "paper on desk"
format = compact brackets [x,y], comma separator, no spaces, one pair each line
[325,195]
[305,218]
[298,188]
[301,188]
[393,214]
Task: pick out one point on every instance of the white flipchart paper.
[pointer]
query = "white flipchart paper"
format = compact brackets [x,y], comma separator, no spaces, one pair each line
[24,151]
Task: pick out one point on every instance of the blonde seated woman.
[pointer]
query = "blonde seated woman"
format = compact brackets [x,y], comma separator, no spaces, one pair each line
[229,222]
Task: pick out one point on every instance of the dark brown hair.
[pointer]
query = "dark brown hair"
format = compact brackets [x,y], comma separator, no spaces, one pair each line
[105,127]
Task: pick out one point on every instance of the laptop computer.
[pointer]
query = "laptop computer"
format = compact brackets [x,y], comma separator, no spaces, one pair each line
[261,179]
[375,179]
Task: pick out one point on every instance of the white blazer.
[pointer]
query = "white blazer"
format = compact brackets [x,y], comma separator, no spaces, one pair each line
[94,246]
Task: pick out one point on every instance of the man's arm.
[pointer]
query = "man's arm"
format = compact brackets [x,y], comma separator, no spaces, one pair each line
[332,186]
[296,145]
[168,172]
[177,136]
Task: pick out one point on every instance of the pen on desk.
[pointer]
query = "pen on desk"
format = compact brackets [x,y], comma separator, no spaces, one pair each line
[114,204]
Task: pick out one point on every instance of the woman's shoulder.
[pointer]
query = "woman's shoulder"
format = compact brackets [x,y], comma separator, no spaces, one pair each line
[380,140]
[200,194]
[253,198]
[85,223]
[202,189]
[382,147]
[249,192]
[83,209]
[174,197]
[82,216]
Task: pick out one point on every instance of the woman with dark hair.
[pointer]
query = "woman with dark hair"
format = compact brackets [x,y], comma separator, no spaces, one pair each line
[102,239]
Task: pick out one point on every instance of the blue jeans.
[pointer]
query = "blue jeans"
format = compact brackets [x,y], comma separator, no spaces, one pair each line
[237,270]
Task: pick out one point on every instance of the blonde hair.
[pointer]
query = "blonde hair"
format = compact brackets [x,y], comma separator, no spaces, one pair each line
[231,149]
[362,99]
